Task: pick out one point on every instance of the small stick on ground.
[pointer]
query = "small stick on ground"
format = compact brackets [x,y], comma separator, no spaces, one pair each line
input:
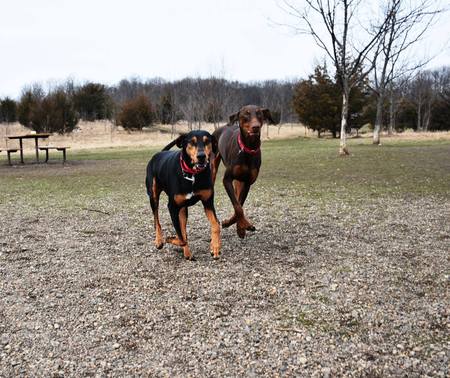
[96,211]
[288,329]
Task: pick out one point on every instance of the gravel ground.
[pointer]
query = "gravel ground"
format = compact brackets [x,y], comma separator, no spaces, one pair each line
[322,289]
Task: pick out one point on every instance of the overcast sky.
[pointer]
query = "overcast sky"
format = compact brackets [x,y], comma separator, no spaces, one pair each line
[108,40]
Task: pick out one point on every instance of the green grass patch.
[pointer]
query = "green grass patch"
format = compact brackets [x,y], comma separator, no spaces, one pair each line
[294,171]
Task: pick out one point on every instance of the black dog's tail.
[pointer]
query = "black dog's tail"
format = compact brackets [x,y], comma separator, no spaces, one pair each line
[170,145]
[178,142]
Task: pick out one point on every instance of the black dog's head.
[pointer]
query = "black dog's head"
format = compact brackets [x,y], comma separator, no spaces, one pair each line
[251,119]
[197,146]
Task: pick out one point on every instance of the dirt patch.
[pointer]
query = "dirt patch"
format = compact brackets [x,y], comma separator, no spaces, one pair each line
[314,293]
[322,288]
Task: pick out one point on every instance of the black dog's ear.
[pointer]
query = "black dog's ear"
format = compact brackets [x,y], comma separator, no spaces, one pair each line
[178,142]
[234,118]
[215,144]
[267,116]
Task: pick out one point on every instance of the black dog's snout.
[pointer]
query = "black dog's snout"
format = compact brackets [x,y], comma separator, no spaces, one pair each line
[256,129]
[201,156]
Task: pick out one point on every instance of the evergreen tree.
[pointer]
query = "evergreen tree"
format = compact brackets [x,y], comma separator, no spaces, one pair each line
[8,110]
[317,102]
[93,102]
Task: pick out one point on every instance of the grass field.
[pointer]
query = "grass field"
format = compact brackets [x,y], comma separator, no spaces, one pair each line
[347,273]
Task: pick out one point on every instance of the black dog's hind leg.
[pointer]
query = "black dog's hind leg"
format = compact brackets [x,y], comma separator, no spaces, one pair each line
[154,192]
[179,216]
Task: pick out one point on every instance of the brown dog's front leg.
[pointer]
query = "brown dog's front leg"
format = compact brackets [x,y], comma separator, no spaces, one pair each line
[242,223]
[242,189]
[215,167]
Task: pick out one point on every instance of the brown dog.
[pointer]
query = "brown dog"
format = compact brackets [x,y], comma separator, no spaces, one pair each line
[240,150]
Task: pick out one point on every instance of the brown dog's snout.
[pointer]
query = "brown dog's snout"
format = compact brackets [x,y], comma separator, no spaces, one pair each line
[256,128]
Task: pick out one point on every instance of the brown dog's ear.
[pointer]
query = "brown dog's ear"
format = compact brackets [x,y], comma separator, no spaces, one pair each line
[267,116]
[214,144]
[234,118]
[178,142]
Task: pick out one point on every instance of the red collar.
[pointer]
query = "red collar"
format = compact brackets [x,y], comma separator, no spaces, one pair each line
[244,148]
[186,169]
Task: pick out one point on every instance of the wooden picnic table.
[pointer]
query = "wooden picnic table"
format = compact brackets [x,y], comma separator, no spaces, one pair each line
[36,138]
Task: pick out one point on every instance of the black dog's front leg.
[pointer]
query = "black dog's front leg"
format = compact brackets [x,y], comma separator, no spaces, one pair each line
[179,217]
[210,212]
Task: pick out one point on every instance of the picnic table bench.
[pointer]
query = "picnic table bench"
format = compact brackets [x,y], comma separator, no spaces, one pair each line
[9,151]
[36,137]
[47,148]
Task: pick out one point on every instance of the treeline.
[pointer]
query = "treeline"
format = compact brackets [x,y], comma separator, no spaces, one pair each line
[135,104]
[420,103]
[198,100]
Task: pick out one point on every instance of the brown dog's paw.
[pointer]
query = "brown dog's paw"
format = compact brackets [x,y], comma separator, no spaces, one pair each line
[228,222]
[251,228]
[159,245]
[241,232]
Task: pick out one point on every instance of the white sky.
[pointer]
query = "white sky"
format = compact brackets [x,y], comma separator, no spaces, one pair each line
[106,41]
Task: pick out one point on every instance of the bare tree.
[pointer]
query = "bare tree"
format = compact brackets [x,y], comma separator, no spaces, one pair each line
[396,91]
[407,23]
[422,96]
[335,28]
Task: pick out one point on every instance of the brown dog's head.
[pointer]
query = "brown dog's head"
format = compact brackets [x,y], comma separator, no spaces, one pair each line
[251,119]
[197,147]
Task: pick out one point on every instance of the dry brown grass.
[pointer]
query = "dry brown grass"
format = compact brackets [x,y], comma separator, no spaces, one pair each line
[104,134]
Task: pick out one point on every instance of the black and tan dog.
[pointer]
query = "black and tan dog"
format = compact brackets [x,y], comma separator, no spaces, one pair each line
[239,144]
[185,176]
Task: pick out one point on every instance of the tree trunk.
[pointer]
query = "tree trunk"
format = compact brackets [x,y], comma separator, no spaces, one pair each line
[419,116]
[343,142]
[427,116]
[378,119]
[391,112]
